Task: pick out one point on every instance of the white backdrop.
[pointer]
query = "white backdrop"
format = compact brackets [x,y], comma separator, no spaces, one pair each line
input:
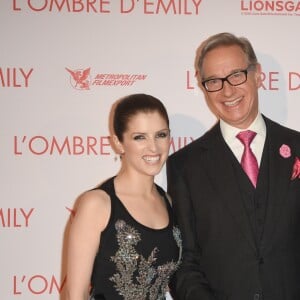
[53,128]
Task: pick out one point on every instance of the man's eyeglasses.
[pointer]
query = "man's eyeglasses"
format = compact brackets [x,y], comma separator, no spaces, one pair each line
[234,79]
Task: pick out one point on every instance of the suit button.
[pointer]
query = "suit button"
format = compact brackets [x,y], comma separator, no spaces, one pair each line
[260,221]
[257,297]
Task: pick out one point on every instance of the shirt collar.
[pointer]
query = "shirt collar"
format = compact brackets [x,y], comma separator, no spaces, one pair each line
[229,132]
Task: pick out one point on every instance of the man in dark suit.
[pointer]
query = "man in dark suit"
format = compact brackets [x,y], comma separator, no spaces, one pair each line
[236,196]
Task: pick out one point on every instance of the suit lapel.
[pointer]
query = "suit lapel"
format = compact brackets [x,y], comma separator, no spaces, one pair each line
[221,173]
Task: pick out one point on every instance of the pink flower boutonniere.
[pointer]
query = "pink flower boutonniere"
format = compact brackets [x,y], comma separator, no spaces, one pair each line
[296,169]
[285,151]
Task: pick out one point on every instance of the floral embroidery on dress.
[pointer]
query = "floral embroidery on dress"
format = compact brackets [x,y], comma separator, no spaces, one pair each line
[137,277]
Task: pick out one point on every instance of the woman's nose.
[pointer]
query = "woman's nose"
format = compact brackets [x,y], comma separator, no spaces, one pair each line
[152,144]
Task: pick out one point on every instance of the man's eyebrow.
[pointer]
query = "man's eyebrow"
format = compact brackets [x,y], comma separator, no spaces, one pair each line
[231,72]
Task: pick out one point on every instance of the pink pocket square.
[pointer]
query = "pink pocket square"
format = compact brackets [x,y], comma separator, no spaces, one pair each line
[296,169]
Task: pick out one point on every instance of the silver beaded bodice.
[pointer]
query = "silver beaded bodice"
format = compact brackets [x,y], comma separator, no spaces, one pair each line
[139,277]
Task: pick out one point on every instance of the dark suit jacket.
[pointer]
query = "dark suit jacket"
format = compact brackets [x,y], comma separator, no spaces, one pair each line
[221,259]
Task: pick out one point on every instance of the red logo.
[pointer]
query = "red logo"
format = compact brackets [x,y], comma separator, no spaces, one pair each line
[270,8]
[80,79]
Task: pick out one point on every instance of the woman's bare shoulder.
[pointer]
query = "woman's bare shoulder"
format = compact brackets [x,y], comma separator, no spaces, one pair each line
[96,197]
[93,205]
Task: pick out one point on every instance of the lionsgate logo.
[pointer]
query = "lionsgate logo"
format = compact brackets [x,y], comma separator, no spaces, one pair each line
[270,7]
[81,79]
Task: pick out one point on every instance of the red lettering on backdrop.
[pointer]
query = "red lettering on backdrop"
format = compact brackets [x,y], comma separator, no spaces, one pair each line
[166,7]
[177,143]
[104,144]
[37,9]
[42,282]
[186,7]
[91,142]
[37,285]
[293,76]
[60,150]
[15,6]
[16,151]
[76,4]
[270,6]
[272,80]
[15,217]
[54,283]
[59,6]
[102,9]
[90,5]
[14,77]
[146,4]
[268,81]
[68,5]
[188,82]
[183,7]
[76,145]
[38,138]
[15,290]
[127,9]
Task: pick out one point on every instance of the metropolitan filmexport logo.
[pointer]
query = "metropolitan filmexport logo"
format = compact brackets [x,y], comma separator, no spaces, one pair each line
[81,79]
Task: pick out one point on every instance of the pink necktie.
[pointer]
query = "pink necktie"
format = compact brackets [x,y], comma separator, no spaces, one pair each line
[248,162]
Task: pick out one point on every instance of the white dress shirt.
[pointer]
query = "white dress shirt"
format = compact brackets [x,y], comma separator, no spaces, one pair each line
[229,134]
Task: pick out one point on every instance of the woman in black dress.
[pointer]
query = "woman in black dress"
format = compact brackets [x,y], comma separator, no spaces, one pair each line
[123,243]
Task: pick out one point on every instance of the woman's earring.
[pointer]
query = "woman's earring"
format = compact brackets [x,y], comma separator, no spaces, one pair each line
[120,155]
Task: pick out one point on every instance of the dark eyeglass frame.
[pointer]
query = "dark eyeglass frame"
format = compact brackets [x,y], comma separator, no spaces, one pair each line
[227,79]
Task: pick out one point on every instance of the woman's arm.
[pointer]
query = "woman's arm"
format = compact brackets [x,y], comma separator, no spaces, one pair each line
[91,217]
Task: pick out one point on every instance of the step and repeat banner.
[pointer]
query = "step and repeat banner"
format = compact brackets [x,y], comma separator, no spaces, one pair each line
[63,63]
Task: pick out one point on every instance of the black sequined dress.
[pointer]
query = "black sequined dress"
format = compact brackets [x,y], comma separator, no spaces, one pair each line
[134,262]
